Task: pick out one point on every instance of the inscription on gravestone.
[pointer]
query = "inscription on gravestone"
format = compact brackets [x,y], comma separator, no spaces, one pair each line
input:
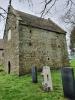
[68,82]
[47,81]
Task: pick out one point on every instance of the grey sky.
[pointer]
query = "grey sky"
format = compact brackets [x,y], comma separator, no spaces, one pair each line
[57,11]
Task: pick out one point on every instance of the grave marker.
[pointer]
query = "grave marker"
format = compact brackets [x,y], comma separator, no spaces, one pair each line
[68,82]
[47,81]
[34,74]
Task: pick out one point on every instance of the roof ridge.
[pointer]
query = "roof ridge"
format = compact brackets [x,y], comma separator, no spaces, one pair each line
[36,21]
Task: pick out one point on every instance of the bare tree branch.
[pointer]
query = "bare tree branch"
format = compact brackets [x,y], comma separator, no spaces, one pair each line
[3,13]
[68,17]
[72,22]
[46,3]
[50,7]
[29,2]
[3,9]
[10,1]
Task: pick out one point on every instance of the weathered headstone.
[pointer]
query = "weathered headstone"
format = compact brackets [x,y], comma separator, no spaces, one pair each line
[34,74]
[68,82]
[47,81]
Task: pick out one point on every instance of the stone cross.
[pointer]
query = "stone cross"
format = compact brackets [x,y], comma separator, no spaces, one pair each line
[47,81]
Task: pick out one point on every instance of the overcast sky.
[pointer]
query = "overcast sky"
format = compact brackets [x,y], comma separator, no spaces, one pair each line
[55,14]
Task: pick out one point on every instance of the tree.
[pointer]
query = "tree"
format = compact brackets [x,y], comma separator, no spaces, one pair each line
[72,41]
[4,12]
[69,16]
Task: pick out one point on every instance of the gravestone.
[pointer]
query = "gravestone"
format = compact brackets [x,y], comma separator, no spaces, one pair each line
[34,74]
[47,81]
[68,82]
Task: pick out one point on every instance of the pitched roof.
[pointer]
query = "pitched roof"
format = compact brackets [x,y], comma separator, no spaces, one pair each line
[38,22]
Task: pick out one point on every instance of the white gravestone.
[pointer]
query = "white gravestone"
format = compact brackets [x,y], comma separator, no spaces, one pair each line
[47,81]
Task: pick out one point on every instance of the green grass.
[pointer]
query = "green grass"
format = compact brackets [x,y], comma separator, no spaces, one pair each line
[13,87]
[72,63]
[22,88]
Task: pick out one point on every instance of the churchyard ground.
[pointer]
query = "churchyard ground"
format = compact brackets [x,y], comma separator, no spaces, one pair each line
[13,87]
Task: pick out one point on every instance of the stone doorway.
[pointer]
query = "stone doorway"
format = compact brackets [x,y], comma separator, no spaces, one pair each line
[9,67]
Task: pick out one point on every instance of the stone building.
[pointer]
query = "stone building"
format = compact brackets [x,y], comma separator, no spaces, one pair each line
[32,41]
[1,51]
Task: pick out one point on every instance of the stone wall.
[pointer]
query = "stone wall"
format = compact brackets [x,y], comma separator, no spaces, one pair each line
[38,47]
[1,57]
[11,45]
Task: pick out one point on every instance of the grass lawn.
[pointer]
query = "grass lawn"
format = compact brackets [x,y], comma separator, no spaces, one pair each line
[22,88]
[72,63]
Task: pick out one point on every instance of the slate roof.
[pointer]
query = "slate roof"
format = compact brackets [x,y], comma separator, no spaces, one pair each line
[37,22]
